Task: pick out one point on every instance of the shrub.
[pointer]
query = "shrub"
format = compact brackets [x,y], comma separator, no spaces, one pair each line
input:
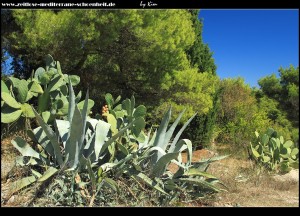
[47,84]
[271,151]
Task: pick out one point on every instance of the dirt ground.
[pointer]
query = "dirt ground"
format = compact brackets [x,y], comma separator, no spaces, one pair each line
[246,186]
[250,187]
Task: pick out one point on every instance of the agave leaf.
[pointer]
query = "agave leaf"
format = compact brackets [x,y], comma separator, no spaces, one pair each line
[78,97]
[92,123]
[141,137]
[71,102]
[102,130]
[51,136]
[216,158]
[91,173]
[181,131]
[24,161]
[43,140]
[180,147]
[19,184]
[36,173]
[149,182]
[89,148]
[196,172]
[199,182]
[170,185]
[49,172]
[84,122]
[171,131]
[179,173]
[24,148]
[63,128]
[73,143]
[202,165]
[151,142]
[162,163]
[145,141]
[161,133]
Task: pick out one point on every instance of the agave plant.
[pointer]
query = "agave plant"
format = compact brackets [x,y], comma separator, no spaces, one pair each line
[149,164]
[76,143]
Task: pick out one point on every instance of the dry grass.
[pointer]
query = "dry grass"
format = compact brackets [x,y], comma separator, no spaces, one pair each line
[249,186]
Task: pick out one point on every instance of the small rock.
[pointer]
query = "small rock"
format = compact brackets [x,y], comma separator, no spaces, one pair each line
[11,199]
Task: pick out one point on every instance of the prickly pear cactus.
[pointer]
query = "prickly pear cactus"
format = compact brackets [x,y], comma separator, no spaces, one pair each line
[49,84]
[272,151]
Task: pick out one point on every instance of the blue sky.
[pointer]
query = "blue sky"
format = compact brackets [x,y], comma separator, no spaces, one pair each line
[251,43]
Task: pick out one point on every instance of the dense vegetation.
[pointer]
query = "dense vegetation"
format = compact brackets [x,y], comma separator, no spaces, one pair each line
[156,58]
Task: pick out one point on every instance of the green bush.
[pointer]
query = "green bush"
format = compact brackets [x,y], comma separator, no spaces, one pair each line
[201,129]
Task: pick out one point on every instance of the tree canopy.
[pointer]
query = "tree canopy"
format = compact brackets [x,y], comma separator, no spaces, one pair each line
[158,56]
[285,91]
